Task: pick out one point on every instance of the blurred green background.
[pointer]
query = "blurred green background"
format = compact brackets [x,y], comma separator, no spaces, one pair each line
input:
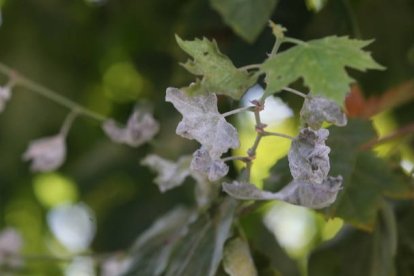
[109,55]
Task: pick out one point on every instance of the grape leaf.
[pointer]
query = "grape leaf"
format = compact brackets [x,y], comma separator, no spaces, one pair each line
[308,156]
[311,195]
[202,122]
[247,18]
[321,63]
[219,74]
[170,174]
[204,164]
[367,179]
[316,110]
[237,260]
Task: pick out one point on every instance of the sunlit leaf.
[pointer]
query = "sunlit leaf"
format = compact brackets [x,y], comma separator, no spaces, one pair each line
[316,110]
[246,17]
[219,75]
[237,260]
[321,63]
[202,122]
[204,164]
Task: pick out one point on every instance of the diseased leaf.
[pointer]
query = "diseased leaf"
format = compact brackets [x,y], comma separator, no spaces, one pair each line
[152,250]
[237,260]
[202,122]
[5,95]
[219,75]
[247,18]
[170,174]
[11,243]
[321,63]
[311,195]
[308,156]
[201,251]
[316,110]
[204,164]
[141,127]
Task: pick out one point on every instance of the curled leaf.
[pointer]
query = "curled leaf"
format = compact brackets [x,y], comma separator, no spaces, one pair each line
[308,156]
[5,95]
[140,128]
[202,122]
[170,174]
[47,154]
[297,192]
[316,110]
[202,162]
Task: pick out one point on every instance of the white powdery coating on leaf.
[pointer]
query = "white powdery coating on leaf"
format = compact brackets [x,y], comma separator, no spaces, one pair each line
[202,122]
[170,174]
[5,95]
[10,245]
[202,162]
[141,127]
[309,156]
[316,110]
[47,154]
[311,195]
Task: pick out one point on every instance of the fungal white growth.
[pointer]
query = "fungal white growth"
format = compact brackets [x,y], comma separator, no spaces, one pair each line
[46,154]
[213,169]
[308,156]
[202,122]
[5,94]
[316,110]
[170,174]
[141,127]
[307,194]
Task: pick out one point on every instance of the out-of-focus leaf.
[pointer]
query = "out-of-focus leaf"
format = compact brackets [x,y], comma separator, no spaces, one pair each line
[141,127]
[375,252]
[247,18]
[202,122]
[201,251]
[237,260]
[268,255]
[152,250]
[316,110]
[11,243]
[321,63]
[5,92]
[170,174]
[219,74]
[309,156]
[316,5]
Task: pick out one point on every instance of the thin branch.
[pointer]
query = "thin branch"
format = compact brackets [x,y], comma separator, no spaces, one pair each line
[67,124]
[295,41]
[240,158]
[48,93]
[250,67]
[294,91]
[268,133]
[406,130]
[238,110]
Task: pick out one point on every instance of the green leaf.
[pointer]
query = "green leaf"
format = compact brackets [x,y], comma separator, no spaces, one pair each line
[219,75]
[375,251]
[367,179]
[321,63]
[237,260]
[247,18]
[201,251]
